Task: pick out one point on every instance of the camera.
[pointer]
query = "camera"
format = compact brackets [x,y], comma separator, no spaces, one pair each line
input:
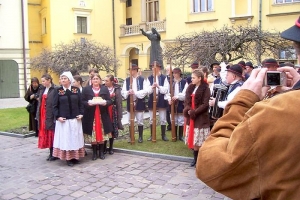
[275,78]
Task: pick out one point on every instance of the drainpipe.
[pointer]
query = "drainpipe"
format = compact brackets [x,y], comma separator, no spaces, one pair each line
[114,35]
[259,31]
[23,48]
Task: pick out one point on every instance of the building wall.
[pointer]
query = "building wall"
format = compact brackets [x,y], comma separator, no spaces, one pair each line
[179,19]
[11,40]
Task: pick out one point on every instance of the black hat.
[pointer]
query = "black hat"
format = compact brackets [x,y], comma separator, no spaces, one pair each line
[133,67]
[214,63]
[157,64]
[249,64]
[177,70]
[194,65]
[236,69]
[242,63]
[293,33]
[270,62]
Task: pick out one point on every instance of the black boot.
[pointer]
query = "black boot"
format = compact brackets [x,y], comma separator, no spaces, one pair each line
[163,133]
[94,147]
[111,143]
[51,158]
[150,138]
[141,128]
[181,133]
[105,147]
[101,153]
[193,164]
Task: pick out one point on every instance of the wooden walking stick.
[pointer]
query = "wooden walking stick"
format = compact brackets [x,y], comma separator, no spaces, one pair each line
[132,141]
[172,104]
[154,106]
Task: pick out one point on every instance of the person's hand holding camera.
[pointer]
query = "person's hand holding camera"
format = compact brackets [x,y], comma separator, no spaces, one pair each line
[292,76]
[255,82]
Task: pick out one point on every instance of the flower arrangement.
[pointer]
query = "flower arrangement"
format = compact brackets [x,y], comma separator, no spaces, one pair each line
[74,90]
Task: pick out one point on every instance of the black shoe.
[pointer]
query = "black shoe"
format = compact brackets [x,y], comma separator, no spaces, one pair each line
[150,138]
[101,152]
[94,157]
[52,158]
[85,153]
[75,161]
[193,163]
[111,152]
[70,163]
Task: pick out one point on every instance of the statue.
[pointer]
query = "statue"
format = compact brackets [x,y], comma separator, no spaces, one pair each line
[155,51]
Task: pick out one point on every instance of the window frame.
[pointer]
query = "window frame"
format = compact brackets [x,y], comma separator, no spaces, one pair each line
[284,2]
[86,14]
[81,27]
[198,10]
[152,10]
[44,25]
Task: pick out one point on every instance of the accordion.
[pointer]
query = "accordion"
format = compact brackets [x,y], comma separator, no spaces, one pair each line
[219,93]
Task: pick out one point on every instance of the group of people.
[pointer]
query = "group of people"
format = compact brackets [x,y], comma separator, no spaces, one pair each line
[66,116]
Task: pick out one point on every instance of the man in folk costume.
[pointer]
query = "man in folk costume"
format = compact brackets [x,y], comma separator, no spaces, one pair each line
[179,87]
[139,93]
[234,78]
[194,65]
[161,85]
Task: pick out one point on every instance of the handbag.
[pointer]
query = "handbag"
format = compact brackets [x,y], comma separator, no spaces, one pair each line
[30,108]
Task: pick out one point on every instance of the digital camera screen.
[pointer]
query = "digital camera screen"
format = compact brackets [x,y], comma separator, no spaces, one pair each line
[273,79]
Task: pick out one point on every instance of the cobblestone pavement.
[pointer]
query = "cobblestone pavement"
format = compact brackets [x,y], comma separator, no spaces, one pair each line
[25,174]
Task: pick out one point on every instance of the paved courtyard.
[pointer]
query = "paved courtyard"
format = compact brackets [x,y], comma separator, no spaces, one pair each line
[25,174]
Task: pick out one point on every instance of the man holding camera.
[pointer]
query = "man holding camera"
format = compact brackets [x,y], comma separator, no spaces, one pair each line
[249,156]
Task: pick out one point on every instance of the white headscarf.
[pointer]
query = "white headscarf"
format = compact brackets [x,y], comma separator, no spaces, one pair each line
[69,75]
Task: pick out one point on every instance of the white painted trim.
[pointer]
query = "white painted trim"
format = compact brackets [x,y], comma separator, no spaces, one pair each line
[249,7]
[232,8]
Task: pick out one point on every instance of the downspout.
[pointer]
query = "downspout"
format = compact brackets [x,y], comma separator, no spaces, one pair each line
[114,36]
[23,48]
[259,31]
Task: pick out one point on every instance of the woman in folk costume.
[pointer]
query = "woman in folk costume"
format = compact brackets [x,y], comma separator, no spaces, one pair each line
[45,117]
[196,112]
[115,110]
[97,126]
[68,111]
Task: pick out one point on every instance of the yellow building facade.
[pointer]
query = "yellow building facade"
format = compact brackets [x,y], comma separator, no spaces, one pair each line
[117,23]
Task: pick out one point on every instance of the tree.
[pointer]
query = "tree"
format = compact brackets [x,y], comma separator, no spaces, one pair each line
[226,44]
[76,56]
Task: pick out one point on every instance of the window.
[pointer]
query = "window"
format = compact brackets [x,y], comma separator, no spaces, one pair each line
[202,5]
[82,20]
[44,26]
[152,8]
[128,3]
[129,21]
[287,54]
[81,25]
[285,1]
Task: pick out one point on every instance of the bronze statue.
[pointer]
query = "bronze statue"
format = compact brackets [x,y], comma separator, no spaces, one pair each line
[155,51]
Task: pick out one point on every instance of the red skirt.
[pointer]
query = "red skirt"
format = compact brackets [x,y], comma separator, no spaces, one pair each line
[46,137]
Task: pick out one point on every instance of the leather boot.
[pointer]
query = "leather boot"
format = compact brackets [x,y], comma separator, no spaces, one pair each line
[101,153]
[163,133]
[105,147]
[181,133]
[193,164]
[111,142]
[51,158]
[141,128]
[150,138]
[94,147]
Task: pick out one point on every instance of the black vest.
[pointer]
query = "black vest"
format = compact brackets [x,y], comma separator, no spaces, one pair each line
[160,101]
[179,104]
[233,86]
[139,103]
